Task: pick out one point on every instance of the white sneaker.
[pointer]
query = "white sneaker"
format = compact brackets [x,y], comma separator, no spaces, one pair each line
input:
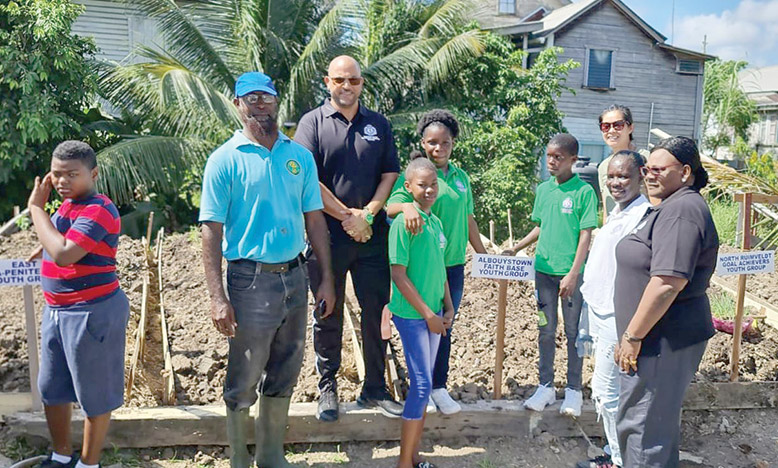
[543,396]
[572,404]
[444,402]
[430,407]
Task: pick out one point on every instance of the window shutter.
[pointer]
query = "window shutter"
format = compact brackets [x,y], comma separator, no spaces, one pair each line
[691,67]
[599,70]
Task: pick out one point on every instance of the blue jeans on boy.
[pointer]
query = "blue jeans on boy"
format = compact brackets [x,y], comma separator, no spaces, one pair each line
[605,379]
[420,346]
[267,351]
[456,284]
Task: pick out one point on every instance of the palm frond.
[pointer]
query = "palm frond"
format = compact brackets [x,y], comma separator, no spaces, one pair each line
[446,17]
[456,51]
[136,166]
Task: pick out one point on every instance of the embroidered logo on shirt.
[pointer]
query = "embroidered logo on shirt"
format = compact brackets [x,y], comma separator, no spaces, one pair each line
[369,133]
[460,186]
[567,206]
[293,167]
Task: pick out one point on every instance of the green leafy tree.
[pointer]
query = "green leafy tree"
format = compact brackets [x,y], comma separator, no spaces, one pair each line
[181,94]
[46,84]
[727,110]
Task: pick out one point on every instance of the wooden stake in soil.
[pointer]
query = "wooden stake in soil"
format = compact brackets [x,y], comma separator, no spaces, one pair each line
[499,355]
[745,210]
[491,232]
[169,388]
[510,228]
[32,346]
[140,338]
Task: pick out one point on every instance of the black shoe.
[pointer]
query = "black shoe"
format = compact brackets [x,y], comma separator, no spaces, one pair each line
[49,463]
[424,464]
[384,404]
[327,410]
[603,461]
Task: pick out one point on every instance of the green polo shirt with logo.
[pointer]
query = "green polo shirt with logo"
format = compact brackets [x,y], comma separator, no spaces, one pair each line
[422,255]
[562,211]
[453,207]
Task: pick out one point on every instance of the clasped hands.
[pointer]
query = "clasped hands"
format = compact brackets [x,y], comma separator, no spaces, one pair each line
[356,226]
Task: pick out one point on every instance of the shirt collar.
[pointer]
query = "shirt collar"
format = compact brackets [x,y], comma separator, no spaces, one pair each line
[680,193]
[239,139]
[565,183]
[329,110]
[639,200]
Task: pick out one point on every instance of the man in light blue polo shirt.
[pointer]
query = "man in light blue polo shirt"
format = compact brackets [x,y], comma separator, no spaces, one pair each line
[260,196]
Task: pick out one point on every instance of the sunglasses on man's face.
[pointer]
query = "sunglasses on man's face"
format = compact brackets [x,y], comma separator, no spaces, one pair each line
[617,125]
[339,80]
[255,98]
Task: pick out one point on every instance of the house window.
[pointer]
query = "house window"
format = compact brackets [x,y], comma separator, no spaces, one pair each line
[507,7]
[689,67]
[598,69]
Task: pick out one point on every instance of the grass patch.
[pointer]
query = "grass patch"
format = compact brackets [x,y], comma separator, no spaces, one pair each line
[18,449]
[486,463]
[722,305]
[725,211]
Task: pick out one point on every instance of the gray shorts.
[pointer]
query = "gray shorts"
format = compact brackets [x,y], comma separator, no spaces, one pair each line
[82,355]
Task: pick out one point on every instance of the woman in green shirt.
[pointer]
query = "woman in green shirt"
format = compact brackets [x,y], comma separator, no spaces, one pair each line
[454,207]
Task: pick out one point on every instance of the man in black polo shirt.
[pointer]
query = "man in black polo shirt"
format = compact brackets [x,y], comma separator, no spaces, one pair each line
[357,163]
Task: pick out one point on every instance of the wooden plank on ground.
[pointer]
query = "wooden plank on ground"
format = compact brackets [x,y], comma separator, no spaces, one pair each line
[15,402]
[140,338]
[392,366]
[205,425]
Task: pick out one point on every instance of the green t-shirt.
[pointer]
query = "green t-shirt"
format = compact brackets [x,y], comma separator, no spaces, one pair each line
[422,255]
[562,211]
[453,207]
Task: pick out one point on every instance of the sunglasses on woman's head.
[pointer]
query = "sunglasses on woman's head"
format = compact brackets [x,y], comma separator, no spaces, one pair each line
[617,125]
[339,80]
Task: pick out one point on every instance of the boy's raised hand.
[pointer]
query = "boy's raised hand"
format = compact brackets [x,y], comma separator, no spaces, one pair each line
[435,324]
[35,254]
[40,191]
[414,223]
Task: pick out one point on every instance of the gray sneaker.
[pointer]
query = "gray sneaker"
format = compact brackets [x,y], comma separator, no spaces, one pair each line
[328,409]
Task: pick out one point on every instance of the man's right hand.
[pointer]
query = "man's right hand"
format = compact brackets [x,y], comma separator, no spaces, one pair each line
[356,227]
[509,252]
[223,316]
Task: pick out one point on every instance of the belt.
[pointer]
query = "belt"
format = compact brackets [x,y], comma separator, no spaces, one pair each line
[272,267]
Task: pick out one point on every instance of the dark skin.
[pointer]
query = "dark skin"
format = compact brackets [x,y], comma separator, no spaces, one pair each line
[72,179]
[560,165]
[260,126]
[661,290]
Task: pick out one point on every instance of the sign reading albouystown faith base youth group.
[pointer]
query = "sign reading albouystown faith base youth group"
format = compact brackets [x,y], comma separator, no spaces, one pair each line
[503,267]
[746,263]
[19,273]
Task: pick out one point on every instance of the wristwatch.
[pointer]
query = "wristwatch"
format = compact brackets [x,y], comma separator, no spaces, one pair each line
[631,339]
[368,215]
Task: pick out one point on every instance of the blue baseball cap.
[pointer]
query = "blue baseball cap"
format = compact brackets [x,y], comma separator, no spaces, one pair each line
[254,81]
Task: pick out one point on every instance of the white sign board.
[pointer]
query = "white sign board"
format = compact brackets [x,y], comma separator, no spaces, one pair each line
[746,263]
[19,272]
[503,267]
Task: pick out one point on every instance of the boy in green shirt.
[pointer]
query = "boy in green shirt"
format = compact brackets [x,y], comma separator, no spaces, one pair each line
[421,302]
[566,212]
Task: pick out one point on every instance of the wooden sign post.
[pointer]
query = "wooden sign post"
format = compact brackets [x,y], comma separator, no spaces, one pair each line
[502,268]
[26,274]
[731,267]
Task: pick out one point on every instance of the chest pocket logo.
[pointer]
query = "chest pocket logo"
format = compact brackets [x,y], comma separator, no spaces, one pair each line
[293,167]
[460,185]
[567,206]
[442,240]
[369,133]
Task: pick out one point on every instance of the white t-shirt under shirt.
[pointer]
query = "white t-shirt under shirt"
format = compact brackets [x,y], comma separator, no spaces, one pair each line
[600,272]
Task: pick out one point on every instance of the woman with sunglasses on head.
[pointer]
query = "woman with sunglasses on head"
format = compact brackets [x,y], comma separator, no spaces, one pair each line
[624,183]
[616,127]
[662,312]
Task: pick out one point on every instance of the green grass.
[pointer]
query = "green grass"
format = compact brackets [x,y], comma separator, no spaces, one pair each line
[486,463]
[18,449]
[725,212]
[722,305]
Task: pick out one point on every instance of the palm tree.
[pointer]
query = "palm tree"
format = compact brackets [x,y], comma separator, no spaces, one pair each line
[182,92]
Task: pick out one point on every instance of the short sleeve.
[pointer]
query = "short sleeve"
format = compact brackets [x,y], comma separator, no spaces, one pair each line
[676,247]
[399,242]
[217,185]
[399,194]
[390,162]
[305,134]
[92,225]
[311,191]
[588,214]
[537,207]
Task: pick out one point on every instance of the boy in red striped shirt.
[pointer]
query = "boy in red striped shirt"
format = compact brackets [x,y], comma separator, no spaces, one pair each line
[85,318]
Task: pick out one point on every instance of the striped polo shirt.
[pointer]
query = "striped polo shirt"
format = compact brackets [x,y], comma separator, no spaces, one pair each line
[93,224]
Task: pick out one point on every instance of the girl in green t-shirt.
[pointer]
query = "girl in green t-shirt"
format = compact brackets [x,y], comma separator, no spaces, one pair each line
[438,130]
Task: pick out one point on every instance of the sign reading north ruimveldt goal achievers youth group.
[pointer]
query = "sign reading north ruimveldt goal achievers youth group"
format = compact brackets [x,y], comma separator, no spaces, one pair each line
[503,267]
[746,263]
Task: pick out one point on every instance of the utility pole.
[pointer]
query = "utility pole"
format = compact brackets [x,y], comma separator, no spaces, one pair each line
[705,44]
[672,25]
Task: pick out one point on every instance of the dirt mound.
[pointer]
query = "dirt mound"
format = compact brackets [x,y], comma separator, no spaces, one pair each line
[199,352]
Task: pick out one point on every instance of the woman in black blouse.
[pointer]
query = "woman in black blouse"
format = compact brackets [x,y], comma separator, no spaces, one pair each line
[662,312]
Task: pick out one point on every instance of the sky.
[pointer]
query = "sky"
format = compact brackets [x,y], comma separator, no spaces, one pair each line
[736,30]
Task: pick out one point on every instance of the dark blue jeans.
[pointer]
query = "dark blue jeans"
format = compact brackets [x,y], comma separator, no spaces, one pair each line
[456,284]
[267,351]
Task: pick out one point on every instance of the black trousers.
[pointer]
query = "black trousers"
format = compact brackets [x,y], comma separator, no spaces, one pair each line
[369,267]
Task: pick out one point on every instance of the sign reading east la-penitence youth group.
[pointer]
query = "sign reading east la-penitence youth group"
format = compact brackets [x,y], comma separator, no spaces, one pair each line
[19,273]
[503,267]
[746,263]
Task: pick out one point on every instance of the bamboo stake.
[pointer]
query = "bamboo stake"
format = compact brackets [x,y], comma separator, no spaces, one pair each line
[502,302]
[510,227]
[140,338]
[168,390]
[745,209]
[491,232]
